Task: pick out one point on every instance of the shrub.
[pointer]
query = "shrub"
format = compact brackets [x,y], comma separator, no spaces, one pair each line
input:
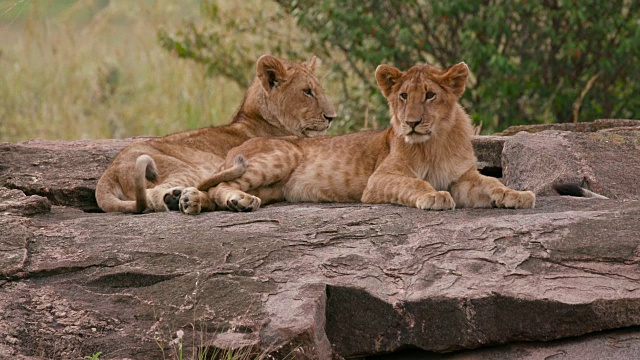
[531,61]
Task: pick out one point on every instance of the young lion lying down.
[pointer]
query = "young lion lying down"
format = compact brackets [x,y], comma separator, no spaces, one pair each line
[424,160]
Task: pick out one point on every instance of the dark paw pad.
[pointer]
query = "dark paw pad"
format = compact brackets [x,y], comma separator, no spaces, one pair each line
[172,200]
[236,206]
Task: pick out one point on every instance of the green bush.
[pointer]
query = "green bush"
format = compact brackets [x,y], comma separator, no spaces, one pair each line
[531,61]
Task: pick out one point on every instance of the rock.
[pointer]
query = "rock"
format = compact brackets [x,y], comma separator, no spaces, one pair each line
[606,162]
[315,281]
[574,127]
[488,150]
[323,278]
[16,202]
[65,172]
[615,344]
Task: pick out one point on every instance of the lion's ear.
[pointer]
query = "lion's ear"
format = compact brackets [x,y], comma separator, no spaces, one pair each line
[271,72]
[387,76]
[312,64]
[455,77]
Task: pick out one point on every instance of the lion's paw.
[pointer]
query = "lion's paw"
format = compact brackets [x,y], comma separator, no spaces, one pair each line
[171,198]
[191,201]
[439,200]
[513,199]
[239,201]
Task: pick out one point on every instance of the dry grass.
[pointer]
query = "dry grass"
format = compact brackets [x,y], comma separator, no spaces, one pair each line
[94,69]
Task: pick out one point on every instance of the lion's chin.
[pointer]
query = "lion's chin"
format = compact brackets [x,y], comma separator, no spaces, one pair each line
[313,133]
[415,138]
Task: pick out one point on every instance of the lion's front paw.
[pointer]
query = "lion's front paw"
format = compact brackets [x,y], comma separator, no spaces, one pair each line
[191,201]
[239,201]
[171,198]
[439,200]
[513,199]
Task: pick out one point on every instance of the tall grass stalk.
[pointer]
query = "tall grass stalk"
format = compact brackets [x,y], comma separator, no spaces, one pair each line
[94,69]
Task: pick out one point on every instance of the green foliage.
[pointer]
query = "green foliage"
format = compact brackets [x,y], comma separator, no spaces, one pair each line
[95,356]
[531,61]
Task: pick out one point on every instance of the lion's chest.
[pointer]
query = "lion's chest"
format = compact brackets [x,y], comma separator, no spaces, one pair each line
[442,172]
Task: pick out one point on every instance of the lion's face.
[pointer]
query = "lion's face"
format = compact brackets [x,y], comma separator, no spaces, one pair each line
[421,99]
[294,96]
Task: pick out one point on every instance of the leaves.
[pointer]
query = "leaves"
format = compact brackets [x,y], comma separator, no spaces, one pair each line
[530,61]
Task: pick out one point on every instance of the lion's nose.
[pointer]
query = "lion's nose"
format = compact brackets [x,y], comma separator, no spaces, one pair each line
[329,117]
[413,123]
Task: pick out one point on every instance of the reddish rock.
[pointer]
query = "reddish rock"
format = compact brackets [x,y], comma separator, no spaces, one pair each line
[606,162]
[574,127]
[315,281]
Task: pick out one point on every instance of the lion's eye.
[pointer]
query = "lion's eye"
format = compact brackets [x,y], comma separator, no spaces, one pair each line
[403,96]
[430,95]
[308,92]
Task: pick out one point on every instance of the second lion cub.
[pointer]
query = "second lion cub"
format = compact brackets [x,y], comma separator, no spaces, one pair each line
[424,160]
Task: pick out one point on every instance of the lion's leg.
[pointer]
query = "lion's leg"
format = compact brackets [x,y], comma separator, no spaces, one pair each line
[406,190]
[167,195]
[195,200]
[269,195]
[234,195]
[476,190]
[259,179]
[229,196]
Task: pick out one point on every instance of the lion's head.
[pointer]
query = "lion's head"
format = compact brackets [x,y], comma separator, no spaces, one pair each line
[289,95]
[422,99]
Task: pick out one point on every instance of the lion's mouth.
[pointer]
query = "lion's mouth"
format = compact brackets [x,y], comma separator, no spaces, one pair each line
[312,131]
[413,132]
[417,137]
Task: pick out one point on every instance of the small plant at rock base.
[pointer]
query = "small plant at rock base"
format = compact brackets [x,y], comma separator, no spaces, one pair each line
[95,356]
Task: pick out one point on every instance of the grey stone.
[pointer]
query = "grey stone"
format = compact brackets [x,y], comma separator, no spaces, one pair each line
[65,172]
[591,126]
[615,344]
[310,281]
[606,162]
[17,203]
[323,278]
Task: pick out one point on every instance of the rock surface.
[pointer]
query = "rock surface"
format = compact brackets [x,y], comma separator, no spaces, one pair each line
[616,344]
[606,162]
[312,280]
[596,125]
[65,172]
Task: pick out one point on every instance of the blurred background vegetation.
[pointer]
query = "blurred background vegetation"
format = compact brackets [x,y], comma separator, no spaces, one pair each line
[100,68]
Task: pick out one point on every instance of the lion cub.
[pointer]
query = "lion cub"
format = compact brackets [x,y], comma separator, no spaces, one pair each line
[424,160]
[285,98]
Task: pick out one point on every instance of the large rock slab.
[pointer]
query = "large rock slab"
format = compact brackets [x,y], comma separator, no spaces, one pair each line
[317,280]
[321,280]
[616,344]
[65,172]
[17,203]
[606,162]
[591,126]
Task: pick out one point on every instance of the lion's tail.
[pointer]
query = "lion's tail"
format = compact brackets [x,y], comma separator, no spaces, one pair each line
[573,189]
[232,173]
[145,170]
[109,193]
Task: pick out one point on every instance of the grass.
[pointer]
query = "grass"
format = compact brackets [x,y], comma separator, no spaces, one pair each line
[176,349]
[91,69]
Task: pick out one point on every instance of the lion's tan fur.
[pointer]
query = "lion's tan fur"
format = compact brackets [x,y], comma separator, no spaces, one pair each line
[424,160]
[285,98]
